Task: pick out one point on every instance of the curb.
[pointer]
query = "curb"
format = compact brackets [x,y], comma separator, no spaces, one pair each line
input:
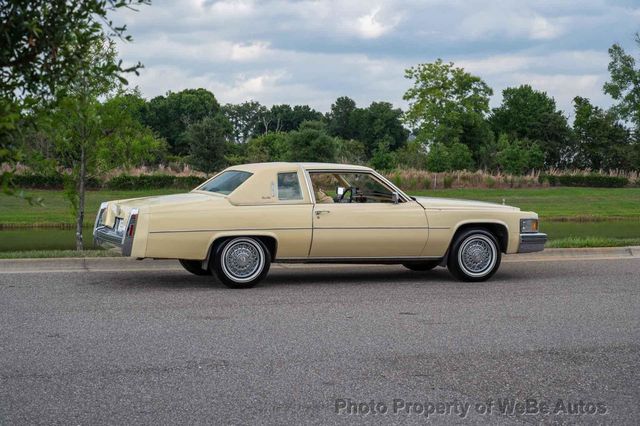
[115,264]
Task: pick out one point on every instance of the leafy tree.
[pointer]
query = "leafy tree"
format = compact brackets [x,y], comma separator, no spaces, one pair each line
[350,151]
[526,113]
[479,138]
[518,156]
[246,119]
[76,123]
[441,99]
[170,115]
[272,146]
[208,141]
[283,118]
[443,158]
[438,158]
[340,118]
[311,143]
[412,155]
[379,122]
[460,157]
[602,142]
[624,86]
[383,158]
[44,46]
[126,141]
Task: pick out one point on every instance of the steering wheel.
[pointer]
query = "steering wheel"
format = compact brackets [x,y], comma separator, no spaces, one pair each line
[341,197]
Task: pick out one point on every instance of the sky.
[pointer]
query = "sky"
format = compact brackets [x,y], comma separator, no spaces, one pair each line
[311,52]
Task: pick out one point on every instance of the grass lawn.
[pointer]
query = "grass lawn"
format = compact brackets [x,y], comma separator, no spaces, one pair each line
[549,203]
[557,203]
[14,210]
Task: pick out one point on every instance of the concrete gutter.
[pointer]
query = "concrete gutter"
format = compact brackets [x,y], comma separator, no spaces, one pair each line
[119,264]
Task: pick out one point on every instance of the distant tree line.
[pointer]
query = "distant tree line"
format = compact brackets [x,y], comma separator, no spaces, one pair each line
[448,126]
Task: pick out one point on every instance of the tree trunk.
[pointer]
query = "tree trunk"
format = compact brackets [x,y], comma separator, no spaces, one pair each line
[81,189]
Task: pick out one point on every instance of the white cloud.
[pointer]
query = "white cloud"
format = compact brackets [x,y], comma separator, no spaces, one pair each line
[248,52]
[311,51]
[368,26]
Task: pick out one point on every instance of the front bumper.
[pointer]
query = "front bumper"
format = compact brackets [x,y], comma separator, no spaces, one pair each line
[532,242]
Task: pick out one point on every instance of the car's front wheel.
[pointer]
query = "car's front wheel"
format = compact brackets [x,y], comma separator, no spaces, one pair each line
[241,262]
[474,256]
[194,266]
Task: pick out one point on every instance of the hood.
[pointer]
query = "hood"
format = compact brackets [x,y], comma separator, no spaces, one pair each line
[455,204]
[165,203]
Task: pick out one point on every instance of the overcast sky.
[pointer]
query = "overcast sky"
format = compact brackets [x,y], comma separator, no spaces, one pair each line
[311,52]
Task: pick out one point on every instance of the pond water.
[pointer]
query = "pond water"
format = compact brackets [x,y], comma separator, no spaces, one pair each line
[43,239]
[64,239]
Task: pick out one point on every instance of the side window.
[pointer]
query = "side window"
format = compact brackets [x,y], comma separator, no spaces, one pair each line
[289,187]
[354,188]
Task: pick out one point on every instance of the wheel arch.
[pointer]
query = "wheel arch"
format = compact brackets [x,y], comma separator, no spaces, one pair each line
[268,239]
[497,228]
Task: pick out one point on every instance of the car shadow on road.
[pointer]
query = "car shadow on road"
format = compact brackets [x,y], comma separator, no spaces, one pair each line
[324,276]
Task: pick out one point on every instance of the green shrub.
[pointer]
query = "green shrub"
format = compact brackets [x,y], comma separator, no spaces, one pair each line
[490,182]
[448,181]
[128,182]
[48,181]
[427,183]
[592,180]
[396,178]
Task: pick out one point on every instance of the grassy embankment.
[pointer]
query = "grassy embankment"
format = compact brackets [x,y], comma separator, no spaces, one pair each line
[590,208]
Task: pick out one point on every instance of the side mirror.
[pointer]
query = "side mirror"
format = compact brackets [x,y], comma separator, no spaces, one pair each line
[395,197]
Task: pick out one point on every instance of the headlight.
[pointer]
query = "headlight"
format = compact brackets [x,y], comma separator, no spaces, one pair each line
[528,225]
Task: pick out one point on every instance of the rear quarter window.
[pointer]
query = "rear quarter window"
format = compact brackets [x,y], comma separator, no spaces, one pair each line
[289,187]
[226,182]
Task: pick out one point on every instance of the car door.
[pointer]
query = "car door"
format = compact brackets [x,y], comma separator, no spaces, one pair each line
[377,228]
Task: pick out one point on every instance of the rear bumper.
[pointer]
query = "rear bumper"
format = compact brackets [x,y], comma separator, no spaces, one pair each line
[117,237]
[530,243]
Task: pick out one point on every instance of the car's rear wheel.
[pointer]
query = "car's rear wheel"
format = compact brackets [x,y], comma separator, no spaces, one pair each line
[241,262]
[194,266]
[474,256]
[422,266]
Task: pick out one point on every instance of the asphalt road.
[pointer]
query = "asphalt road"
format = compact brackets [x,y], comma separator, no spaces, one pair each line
[163,346]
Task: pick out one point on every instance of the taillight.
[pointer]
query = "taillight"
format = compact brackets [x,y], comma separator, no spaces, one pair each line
[132,223]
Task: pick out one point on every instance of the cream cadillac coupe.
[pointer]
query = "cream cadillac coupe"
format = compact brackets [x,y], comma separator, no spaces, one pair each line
[239,221]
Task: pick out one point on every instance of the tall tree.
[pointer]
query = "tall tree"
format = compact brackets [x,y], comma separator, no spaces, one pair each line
[246,119]
[530,114]
[284,118]
[77,124]
[441,99]
[44,45]
[311,143]
[208,141]
[125,141]
[624,86]
[170,115]
[602,142]
[340,118]
[379,123]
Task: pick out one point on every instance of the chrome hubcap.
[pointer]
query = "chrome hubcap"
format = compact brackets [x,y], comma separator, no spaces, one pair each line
[477,255]
[242,260]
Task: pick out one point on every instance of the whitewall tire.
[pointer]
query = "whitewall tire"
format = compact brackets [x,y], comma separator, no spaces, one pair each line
[241,262]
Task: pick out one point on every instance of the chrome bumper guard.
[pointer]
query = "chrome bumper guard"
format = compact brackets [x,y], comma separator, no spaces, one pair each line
[108,237]
[532,242]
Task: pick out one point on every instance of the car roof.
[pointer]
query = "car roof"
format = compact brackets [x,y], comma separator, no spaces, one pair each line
[254,167]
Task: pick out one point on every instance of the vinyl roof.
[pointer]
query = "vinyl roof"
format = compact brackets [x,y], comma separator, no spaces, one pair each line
[308,166]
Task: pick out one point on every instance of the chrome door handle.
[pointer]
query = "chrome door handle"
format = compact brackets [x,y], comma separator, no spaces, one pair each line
[319,212]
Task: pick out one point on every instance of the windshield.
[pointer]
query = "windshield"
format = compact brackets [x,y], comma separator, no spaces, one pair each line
[226,182]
